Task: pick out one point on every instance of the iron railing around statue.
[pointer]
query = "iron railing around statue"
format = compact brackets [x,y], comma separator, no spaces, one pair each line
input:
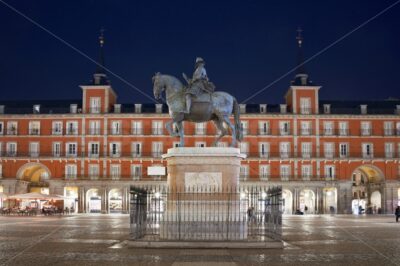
[205,214]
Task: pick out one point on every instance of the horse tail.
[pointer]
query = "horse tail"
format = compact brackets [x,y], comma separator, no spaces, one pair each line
[236,114]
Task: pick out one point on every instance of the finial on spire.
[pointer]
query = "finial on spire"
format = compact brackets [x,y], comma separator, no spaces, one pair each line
[101,37]
[100,76]
[299,37]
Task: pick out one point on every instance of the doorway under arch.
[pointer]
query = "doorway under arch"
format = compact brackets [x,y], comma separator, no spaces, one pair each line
[115,201]
[330,200]
[93,201]
[34,172]
[307,201]
[366,190]
[287,201]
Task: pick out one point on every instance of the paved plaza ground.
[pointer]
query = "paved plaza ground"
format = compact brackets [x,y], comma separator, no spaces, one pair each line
[99,240]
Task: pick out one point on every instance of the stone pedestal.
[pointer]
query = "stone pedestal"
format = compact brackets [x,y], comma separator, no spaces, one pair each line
[203,201]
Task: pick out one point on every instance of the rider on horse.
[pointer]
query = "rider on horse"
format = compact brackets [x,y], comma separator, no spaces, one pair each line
[198,85]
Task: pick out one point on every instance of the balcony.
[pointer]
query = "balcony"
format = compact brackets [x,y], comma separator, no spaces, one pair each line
[12,131]
[34,131]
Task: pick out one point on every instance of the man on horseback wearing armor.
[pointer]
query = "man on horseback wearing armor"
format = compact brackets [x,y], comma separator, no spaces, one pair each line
[198,85]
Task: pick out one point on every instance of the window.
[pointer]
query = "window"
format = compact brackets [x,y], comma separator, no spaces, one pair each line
[343,128]
[94,149]
[137,128]
[284,128]
[115,171]
[56,149]
[95,105]
[222,144]
[305,128]
[263,148]
[115,149]
[138,108]
[367,150]
[70,171]
[389,150]
[365,128]
[1,148]
[398,128]
[306,149]
[343,150]
[388,128]
[34,128]
[72,128]
[200,144]
[94,171]
[176,144]
[329,172]
[263,108]
[264,172]
[244,147]
[200,128]
[1,170]
[305,105]
[329,150]
[328,128]
[136,171]
[116,128]
[136,148]
[159,108]
[284,149]
[1,128]
[285,172]
[94,127]
[34,149]
[244,171]
[157,127]
[71,149]
[12,128]
[157,149]
[263,127]
[57,127]
[244,127]
[11,149]
[306,172]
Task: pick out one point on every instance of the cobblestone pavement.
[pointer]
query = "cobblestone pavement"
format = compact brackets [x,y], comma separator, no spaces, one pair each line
[98,240]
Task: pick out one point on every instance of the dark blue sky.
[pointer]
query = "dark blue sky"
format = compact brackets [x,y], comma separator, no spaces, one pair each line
[246,45]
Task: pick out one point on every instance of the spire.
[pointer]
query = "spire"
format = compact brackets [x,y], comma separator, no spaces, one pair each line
[100,77]
[301,78]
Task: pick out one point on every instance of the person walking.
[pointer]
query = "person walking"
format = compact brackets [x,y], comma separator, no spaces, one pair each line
[397,213]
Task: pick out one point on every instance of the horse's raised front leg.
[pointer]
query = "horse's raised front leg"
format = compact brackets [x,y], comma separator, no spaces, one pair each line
[219,124]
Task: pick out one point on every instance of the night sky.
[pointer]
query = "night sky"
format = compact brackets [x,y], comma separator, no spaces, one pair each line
[246,46]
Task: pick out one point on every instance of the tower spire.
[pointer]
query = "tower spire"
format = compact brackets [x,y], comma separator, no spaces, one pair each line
[100,77]
[301,77]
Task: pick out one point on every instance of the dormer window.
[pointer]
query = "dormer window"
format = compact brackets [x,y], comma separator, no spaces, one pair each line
[363,108]
[138,108]
[117,108]
[2,109]
[159,108]
[263,108]
[327,108]
[73,108]
[283,108]
[36,109]
[242,108]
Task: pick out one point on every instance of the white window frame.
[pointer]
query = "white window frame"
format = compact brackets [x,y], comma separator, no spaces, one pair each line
[1,171]
[284,149]
[34,148]
[94,171]
[305,128]
[200,144]
[57,127]
[95,105]
[306,150]
[54,149]
[116,127]
[157,148]
[244,126]
[93,149]
[306,172]
[137,127]
[328,128]
[11,152]
[367,150]
[71,171]
[1,128]
[365,127]
[263,128]
[397,128]
[265,172]
[388,128]
[12,128]
[94,127]
[263,149]
[285,171]
[115,171]
[134,151]
[136,171]
[343,128]
[67,149]
[284,128]
[389,149]
[329,150]
[342,144]
[1,148]
[222,144]
[305,105]
[244,147]
[200,128]
[244,172]
[34,128]
[329,171]
[157,127]
[71,128]
[115,153]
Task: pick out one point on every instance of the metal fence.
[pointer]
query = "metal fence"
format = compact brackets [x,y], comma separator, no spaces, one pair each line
[204,214]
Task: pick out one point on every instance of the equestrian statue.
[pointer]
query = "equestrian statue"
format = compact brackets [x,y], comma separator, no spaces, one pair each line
[198,102]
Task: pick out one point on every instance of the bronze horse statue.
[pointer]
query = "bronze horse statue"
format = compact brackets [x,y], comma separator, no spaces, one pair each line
[217,107]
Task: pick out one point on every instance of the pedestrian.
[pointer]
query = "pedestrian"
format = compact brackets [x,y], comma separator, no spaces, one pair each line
[397,213]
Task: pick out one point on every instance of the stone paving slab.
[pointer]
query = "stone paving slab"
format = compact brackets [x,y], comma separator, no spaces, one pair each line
[100,240]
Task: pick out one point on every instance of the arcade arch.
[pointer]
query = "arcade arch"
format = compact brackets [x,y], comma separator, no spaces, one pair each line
[307,201]
[115,201]
[37,174]
[287,203]
[366,190]
[93,201]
